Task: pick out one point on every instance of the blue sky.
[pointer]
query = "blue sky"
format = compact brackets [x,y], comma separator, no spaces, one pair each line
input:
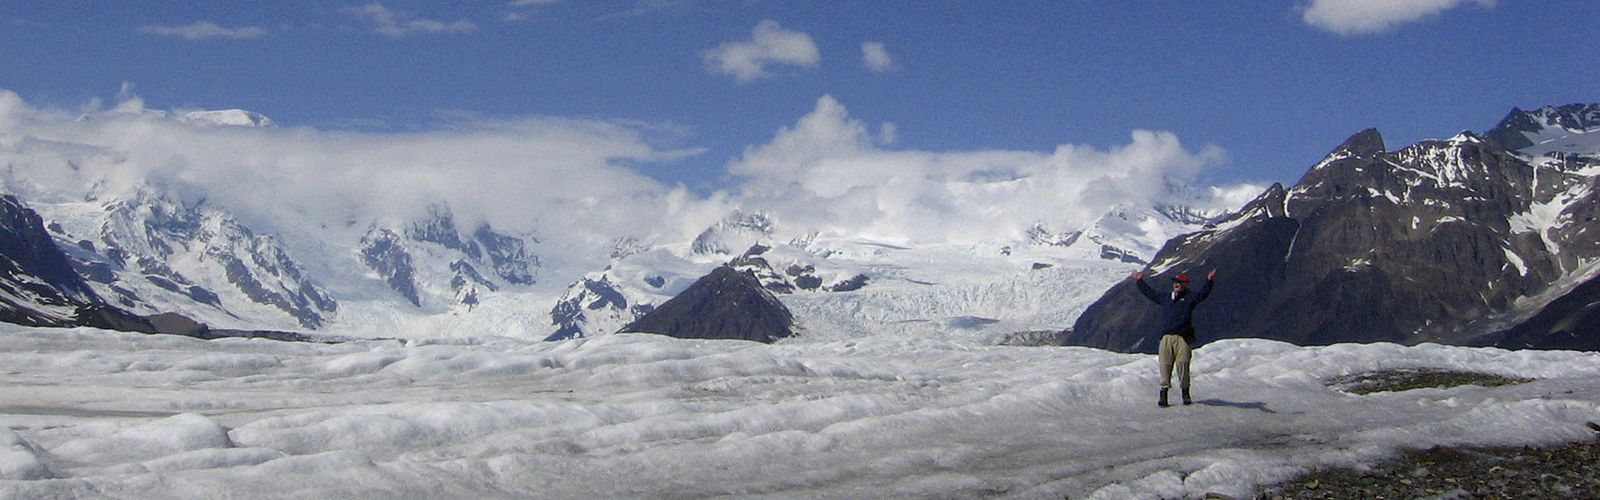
[1273,84]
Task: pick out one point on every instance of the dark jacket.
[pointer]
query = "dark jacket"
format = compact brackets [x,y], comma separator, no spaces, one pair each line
[1177,316]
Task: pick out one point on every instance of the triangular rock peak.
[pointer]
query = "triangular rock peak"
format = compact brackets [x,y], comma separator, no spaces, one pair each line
[726,304]
[1364,143]
[1360,147]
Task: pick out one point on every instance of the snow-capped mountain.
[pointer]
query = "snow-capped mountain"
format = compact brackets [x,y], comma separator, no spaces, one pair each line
[638,279]
[39,287]
[166,211]
[855,286]
[1550,129]
[1128,233]
[151,254]
[157,244]
[1444,241]
[433,265]
[227,117]
[790,269]
[734,234]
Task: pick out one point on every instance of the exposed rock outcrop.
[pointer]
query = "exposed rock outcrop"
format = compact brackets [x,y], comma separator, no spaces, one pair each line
[726,304]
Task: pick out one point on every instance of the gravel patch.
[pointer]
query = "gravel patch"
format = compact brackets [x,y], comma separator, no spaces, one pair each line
[1566,471]
[1405,380]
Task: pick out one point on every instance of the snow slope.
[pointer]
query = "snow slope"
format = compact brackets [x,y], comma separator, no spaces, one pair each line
[956,293]
[95,413]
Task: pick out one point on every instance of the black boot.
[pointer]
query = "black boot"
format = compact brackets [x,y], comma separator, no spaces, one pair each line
[1163,402]
[1186,399]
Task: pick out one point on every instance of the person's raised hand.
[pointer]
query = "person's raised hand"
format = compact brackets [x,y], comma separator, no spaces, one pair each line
[1211,275]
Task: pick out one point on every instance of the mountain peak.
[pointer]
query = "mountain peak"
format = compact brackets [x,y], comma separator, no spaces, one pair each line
[1465,137]
[1521,129]
[725,304]
[1364,143]
[227,117]
[734,233]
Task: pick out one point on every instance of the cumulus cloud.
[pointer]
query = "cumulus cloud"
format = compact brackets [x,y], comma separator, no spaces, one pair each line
[398,24]
[127,101]
[572,182]
[876,57]
[769,44]
[1359,17]
[829,173]
[201,30]
[576,183]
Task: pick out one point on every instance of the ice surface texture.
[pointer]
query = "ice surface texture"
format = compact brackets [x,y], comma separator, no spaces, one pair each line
[95,413]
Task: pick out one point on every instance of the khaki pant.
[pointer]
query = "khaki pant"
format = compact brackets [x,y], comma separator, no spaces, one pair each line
[1174,354]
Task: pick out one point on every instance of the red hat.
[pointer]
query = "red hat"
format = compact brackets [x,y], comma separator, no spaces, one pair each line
[1182,278]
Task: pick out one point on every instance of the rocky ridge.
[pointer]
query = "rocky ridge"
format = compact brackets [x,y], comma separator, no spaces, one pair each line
[1439,241]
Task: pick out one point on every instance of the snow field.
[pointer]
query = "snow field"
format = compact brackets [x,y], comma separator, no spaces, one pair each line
[94,413]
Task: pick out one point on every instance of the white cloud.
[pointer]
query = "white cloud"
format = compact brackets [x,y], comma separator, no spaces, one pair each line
[1358,17]
[876,57]
[517,10]
[127,101]
[11,110]
[397,24]
[769,44]
[571,181]
[200,30]
[888,133]
[576,182]
[651,7]
[829,173]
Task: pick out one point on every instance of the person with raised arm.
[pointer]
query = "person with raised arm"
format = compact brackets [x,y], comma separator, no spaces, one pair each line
[1177,328]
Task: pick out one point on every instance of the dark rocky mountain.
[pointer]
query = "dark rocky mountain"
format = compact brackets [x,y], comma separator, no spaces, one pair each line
[1569,322]
[1436,242]
[726,304]
[38,286]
